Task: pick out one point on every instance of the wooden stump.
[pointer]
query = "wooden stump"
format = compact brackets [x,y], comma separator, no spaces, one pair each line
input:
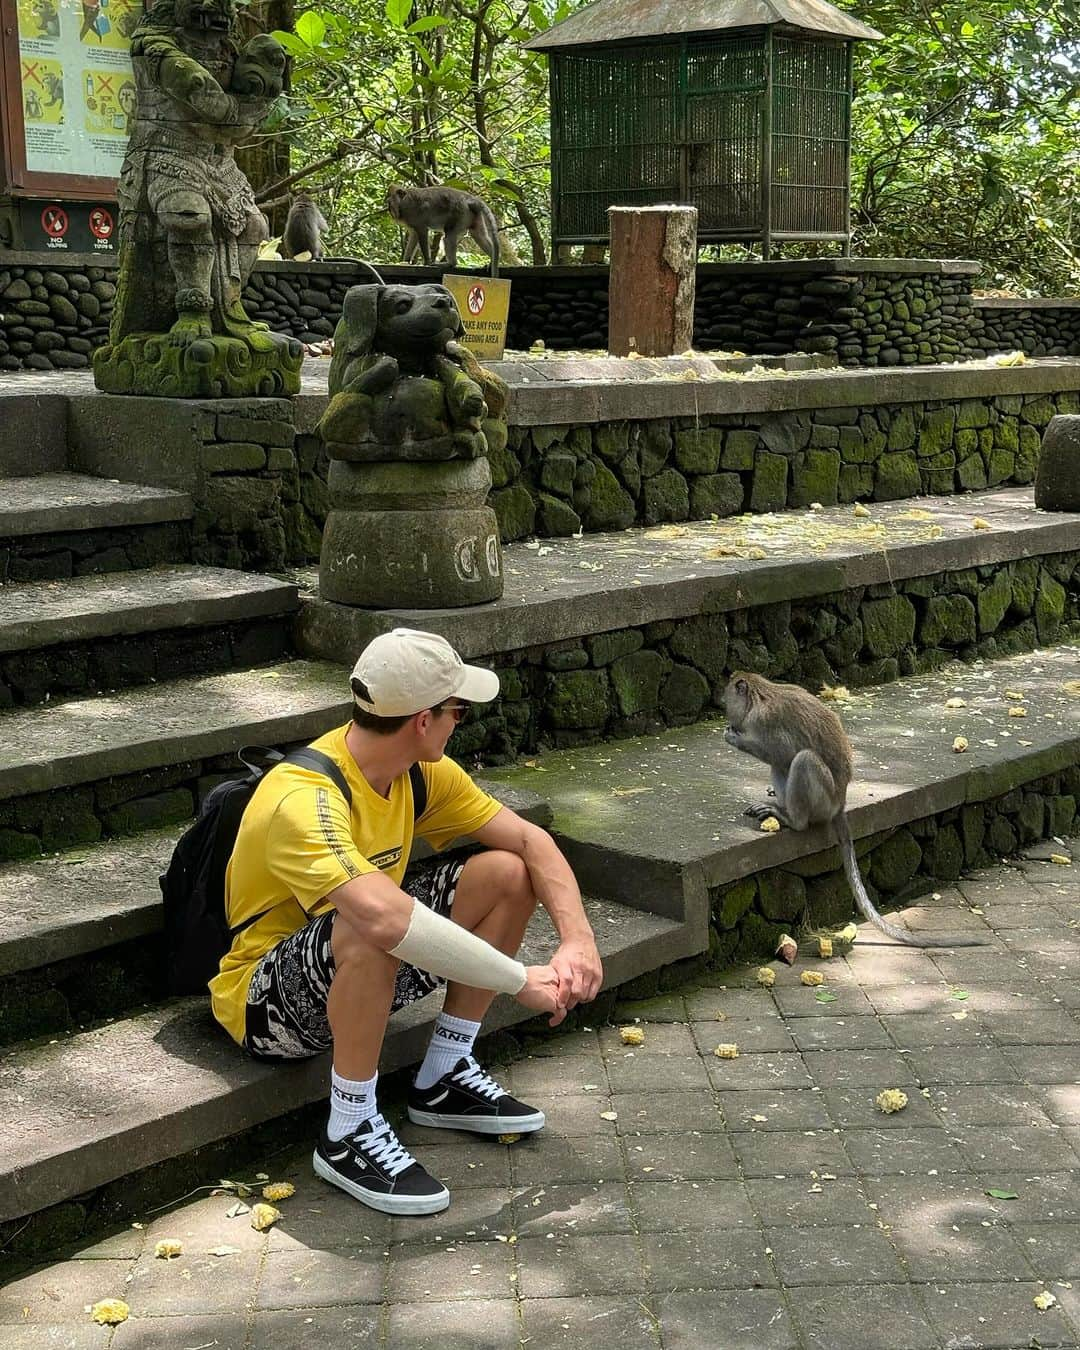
[651,285]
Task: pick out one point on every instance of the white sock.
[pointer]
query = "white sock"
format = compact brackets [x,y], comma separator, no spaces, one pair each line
[352,1101]
[452,1039]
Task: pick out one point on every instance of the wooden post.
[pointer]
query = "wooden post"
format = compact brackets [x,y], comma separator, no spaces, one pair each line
[651,284]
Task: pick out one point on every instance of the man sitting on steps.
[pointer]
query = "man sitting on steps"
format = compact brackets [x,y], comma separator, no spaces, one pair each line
[338,935]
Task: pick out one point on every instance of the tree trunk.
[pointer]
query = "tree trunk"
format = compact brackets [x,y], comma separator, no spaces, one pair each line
[653,273]
[265,159]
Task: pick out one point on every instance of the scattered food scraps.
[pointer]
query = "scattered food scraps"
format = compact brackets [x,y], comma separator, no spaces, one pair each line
[1014,694]
[109,1312]
[998,1194]
[167,1248]
[770,825]
[1060,859]
[824,947]
[834,693]
[890,1100]
[264,1217]
[1044,1300]
[787,949]
[606,1115]
[1017,712]
[632,1035]
[811,978]
[278,1190]
[979,524]
[859,510]
[509,1138]
[956,703]
[959,745]
[727,1050]
[766,976]
[848,933]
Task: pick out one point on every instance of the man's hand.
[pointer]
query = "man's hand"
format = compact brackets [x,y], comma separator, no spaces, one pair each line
[580,973]
[544,992]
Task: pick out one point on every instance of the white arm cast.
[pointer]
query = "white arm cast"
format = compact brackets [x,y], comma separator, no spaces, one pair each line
[442,947]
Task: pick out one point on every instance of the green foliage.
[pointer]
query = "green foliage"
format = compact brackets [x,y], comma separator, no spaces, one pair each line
[967,138]
[966,125]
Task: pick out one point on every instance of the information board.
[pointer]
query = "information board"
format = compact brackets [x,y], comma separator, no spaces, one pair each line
[64,226]
[484,304]
[75,84]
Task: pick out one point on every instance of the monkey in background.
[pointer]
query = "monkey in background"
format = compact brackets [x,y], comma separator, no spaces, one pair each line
[804,744]
[304,228]
[423,209]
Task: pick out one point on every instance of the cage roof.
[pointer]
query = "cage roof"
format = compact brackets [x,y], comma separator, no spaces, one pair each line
[614,21]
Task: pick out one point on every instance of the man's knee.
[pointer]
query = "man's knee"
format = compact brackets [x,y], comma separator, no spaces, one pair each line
[351,949]
[509,878]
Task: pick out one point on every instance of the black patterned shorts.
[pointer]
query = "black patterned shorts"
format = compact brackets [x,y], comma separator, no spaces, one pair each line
[286,1004]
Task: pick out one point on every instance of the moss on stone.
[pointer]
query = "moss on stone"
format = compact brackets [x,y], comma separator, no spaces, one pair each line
[697,449]
[993,601]
[897,477]
[782,896]
[971,473]
[1038,412]
[769,489]
[655,447]
[703,642]
[667,497]
[895,861]
[610,506]
[636,681]
[888,625]
[1027,456]
[815,477]
[856,482]
[739,449]
[578,699]
[949,621]
[715,494]
[902,432]
[607,647]
[733,902]
[556,517]
[1049,607]
[611,440]
[936,431]
[683,694]
[557,472]
[544,437]
[515,511]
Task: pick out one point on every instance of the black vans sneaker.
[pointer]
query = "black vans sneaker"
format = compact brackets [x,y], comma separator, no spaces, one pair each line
[372,1166]
[467,1098]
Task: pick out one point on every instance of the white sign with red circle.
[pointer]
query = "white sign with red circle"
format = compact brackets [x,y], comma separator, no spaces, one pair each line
[476,298]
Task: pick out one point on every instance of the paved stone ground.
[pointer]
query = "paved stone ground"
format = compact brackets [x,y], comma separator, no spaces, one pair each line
[681,1201]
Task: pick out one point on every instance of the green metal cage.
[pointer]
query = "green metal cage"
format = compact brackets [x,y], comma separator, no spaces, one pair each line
[752,128]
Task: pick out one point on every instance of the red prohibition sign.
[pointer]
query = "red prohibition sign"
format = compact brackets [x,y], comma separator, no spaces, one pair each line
[54,221]
[475,299]
[101,223]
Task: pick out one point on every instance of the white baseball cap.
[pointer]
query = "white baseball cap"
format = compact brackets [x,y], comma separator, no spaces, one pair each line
[406,671]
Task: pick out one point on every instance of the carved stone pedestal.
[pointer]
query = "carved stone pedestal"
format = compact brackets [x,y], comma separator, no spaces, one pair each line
[1057,479]
[211,367]
[410,534]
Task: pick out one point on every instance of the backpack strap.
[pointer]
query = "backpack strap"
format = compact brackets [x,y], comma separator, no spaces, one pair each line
[308,758]
[419,791]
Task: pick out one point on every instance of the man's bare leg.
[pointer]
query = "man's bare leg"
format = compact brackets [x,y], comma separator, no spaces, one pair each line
[361,995]
[494,900]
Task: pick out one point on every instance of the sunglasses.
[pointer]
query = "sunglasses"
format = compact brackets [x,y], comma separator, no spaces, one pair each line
[456,710]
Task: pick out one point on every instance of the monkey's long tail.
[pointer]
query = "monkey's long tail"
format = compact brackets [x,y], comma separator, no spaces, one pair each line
[493,226]
[866,905]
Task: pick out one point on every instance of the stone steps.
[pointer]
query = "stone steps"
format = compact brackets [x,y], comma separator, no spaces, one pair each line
[120,763]
[61,525]
[623,633]
[81,1111]
[116,629]
[640,818]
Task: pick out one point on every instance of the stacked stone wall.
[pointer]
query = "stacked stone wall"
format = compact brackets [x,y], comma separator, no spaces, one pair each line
[1040,328]
[637,681]
[79,553]
[54,311]
[52,316]
[748,916]
[556,480]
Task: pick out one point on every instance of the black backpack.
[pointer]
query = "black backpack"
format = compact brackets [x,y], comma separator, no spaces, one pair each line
[197,933]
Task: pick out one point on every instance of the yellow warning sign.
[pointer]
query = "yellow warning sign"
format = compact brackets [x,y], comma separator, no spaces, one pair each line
[484,304]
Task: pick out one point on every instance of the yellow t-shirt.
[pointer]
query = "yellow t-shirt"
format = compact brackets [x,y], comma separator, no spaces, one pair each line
[298,840]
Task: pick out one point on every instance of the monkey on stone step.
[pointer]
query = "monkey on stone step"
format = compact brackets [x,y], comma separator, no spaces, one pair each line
[804,744]
[423,209]
[304,229]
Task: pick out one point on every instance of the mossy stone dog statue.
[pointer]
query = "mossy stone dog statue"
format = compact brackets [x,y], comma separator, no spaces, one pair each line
[411,416]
